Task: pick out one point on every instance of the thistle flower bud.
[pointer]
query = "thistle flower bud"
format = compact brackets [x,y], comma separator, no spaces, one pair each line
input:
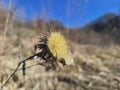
[58,46]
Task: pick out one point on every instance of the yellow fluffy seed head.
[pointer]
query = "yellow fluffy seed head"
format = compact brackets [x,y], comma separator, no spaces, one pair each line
[59,47]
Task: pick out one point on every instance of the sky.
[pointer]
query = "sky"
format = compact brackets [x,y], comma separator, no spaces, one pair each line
[72,13]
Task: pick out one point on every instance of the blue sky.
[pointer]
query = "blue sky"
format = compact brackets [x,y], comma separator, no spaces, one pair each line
[72,13]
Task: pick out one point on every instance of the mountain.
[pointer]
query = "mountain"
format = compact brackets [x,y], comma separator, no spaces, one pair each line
[107,25]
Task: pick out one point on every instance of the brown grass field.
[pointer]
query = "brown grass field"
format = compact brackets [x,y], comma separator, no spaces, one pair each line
[95,67]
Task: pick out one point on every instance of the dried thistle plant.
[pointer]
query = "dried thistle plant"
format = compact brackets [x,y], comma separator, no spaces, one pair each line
[53,49]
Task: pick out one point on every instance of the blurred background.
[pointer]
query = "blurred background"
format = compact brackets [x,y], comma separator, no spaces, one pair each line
[92,28]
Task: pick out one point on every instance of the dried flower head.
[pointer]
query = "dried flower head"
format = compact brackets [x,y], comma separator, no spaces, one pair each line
[58,46]
[54,48]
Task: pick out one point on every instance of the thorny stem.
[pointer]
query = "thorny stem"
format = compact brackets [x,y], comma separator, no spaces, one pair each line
[42,64]
[11,76]
[37,55]
[29,58]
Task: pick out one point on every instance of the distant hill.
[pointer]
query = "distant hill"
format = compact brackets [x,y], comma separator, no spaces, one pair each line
[107,25]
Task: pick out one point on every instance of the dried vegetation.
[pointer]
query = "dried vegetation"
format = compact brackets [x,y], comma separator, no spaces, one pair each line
[96,67]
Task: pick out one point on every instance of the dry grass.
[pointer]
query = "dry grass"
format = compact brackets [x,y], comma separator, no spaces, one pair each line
[95,67]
